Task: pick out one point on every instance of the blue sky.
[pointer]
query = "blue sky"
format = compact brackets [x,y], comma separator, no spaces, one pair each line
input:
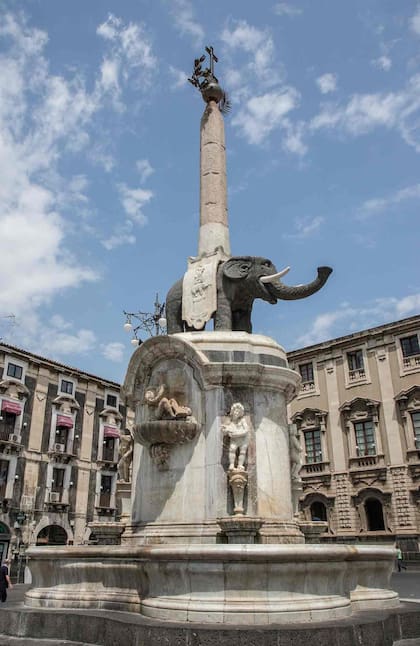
[99,152]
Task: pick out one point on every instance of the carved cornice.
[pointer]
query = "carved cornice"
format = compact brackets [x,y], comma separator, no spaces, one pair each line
[63,401]
[310,418]
[359,409]
[409,400]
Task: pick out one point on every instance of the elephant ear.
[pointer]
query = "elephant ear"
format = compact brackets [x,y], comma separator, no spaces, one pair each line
[237,268]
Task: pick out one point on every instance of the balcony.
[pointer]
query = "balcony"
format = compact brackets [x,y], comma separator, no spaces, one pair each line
[367,465]
[60,452]
[56,501]
[307,388]
[316,472]
[10,442]
[357,375]
[412,362]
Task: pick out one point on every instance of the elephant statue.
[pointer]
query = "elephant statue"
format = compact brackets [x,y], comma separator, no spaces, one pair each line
[239,281]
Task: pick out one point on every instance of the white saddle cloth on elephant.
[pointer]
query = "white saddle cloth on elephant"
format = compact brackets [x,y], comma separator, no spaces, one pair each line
[199,290]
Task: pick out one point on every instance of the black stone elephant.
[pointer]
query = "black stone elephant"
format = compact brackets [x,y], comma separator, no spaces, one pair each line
[240,280]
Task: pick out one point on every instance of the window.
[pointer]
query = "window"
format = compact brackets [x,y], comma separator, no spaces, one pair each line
[108,449]
[106,488]
[61,435]
[66,387]
[111,400]
[365,438]
[410,345]
[4,470]
[313,446]
[374,515]
[57,484]
[416,426]
[318,511]
[14,371]
[7,424]
[306,372]
[355,360]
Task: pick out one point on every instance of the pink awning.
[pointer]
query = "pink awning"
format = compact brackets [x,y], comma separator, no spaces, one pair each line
[64,420]
[11,407]
[111,431]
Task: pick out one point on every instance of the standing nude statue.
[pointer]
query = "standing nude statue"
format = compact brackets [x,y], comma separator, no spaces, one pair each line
[238,432]
[295,455]
[166,408]
[125,454]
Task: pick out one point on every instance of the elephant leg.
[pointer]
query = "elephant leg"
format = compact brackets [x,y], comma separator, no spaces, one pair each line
[241,321]
[173,309]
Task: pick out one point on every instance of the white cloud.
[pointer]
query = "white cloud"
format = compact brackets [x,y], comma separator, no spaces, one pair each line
[131,56]
[365,112]
[327,83]
[286,9]
[122,235]
[262,100]
[305,227]
[293,139]
[383,63]
[43,117]
[34,135]
[259,46]
[133,200]
[179,77]
[261,114]
[415,21]
[347,319]
[183,13]
[113,351]
[145,169]
[374,206]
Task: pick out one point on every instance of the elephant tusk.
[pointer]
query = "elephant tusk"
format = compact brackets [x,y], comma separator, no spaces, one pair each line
[274,277]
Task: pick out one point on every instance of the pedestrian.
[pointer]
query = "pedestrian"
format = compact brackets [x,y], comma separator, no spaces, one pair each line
[5,581]
[400,563]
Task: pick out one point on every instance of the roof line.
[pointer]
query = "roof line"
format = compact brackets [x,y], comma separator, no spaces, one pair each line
[52,362]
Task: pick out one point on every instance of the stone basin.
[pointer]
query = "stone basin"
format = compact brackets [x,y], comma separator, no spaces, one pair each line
[166,431]
[211,584]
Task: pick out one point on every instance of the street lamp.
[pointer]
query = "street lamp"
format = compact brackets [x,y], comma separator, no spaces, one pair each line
[153,323]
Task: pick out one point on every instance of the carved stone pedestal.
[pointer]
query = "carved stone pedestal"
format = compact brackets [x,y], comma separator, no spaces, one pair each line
[107,533]
[238,479]
[232,390]
[123,497]
[240,529]
[313,530]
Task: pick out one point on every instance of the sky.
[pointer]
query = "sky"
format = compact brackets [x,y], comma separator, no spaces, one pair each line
[99,162]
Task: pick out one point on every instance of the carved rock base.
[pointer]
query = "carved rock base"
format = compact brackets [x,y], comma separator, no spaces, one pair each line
[240,529]
[238,479]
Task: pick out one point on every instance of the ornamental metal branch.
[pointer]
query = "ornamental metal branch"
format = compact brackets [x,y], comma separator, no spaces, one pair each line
[200,77]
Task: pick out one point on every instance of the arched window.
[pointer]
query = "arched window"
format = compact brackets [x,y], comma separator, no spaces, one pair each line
[52,535]
[374,515]
[318,511]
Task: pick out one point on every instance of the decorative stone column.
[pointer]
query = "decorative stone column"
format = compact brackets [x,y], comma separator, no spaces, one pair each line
[214,231]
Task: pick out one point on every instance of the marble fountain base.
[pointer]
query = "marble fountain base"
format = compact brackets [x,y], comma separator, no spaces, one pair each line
[216,584]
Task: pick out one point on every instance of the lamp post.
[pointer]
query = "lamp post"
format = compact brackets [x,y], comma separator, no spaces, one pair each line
[153,323]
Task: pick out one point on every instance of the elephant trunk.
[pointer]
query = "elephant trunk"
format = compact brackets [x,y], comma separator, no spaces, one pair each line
[294,292]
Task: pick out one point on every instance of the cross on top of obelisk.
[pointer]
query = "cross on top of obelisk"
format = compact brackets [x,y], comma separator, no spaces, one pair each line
[206,81]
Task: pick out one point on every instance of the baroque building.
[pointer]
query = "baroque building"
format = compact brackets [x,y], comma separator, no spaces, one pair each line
[358,418]
[60,431]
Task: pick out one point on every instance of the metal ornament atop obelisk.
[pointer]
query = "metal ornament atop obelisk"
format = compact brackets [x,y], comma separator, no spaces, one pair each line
[199,287]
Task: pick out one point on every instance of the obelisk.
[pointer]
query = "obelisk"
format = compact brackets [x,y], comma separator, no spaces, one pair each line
[214,229]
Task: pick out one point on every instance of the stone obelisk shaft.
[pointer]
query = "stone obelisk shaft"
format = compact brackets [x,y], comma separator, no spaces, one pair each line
[214,229]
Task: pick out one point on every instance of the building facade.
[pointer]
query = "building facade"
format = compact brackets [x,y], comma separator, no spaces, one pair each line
[358,418]
[60,431]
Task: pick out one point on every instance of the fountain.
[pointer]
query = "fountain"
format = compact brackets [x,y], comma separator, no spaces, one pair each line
[214,535]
